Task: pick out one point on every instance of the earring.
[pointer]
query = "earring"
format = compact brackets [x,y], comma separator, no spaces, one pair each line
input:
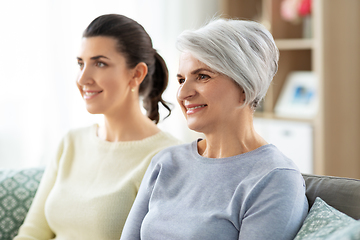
[132,90]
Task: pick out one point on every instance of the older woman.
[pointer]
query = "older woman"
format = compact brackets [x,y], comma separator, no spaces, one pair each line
[232,184]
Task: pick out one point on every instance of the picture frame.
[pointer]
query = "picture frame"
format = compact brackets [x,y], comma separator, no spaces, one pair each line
[299,96]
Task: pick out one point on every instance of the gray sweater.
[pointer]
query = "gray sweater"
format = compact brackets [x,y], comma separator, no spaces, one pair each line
[255,195]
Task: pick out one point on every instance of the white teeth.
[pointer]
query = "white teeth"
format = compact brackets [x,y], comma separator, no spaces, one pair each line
[196,107]
[90,93]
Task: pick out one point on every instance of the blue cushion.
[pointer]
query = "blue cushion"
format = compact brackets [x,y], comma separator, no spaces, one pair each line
[351,232]
[325,222]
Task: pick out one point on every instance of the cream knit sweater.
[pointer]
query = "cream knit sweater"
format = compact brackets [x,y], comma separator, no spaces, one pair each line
[87,192]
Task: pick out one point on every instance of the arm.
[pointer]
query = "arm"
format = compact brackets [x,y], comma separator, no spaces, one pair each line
[35,225]
[276,207]
[132,227]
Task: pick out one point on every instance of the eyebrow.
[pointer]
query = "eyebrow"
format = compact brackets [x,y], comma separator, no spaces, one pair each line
[196,71]
[95,57]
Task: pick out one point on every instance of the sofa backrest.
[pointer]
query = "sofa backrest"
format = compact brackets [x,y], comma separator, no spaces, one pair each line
[340,193]
[18,187]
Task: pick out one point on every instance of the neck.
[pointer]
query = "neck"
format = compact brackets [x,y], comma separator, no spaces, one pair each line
[129,126]
[231,139]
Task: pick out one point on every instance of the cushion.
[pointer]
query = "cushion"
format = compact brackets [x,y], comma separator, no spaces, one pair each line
[325,222]
[351,232]
[17,190]
[340,193]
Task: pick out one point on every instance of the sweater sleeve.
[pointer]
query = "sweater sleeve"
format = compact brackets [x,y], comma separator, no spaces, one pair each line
[35,225]
[276,207]
[132,227]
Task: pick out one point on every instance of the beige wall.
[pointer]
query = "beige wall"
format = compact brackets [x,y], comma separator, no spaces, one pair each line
[341,87]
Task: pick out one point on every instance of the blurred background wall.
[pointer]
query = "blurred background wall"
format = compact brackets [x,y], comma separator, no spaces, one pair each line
[39,101]
[39,43]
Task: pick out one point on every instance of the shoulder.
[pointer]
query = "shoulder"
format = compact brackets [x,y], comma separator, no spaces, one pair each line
[165,139]
[275,176]
[75,136]
[81,132]
[79,136]
[166,162]
[283,177]
[152,145]
[271,158]
[175,150]
[269,165]
[172,155]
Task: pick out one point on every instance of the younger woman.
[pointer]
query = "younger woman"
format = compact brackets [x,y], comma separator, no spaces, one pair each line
[88,189]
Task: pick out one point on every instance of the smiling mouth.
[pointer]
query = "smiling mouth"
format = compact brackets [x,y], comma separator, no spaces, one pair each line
[91,93]
[193,108]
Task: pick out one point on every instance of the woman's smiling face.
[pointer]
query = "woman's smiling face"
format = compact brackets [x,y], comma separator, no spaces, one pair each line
[104,77]
[207,98]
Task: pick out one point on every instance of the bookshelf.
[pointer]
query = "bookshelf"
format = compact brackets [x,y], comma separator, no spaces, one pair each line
[332,52]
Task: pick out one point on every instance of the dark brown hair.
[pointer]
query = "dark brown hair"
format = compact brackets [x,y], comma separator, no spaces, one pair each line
[136,46]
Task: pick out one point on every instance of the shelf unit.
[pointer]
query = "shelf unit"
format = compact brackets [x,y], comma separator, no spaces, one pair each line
[333,54]
[295,51]
[294,44]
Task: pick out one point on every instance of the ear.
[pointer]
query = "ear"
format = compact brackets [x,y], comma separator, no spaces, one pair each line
[139,73]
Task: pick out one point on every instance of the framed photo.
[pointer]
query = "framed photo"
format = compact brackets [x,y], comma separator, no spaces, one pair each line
[299,96]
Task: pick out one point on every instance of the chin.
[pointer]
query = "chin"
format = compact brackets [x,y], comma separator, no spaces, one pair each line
[93,110]
[195,127]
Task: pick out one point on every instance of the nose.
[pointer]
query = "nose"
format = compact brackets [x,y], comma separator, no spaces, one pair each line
[186,90]
[84,77]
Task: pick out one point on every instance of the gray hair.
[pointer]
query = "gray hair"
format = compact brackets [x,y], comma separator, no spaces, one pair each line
[243,50]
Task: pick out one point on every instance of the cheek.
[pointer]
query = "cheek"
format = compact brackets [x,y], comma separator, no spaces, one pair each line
[224,99]
[229,92]
[213,93]
[111,81]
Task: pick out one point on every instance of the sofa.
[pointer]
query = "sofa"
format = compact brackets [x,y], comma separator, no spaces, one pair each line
[334,209]
[17,190]
[340,195]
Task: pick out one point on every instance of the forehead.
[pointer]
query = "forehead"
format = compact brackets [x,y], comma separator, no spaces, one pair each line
[98,46]
[188,62]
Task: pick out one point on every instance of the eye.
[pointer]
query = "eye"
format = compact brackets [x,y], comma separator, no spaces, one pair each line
[181,80]
[203,77]
[100,64]
[81,64]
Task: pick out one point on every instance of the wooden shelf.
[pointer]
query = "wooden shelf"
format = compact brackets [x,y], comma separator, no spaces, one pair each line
[294,44]
[271,115]
[333,55]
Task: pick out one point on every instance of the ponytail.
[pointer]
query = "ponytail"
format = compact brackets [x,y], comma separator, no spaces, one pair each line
[159,82]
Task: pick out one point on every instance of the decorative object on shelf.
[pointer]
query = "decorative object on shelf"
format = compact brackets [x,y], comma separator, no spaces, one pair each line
[297,11]
[299,97]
